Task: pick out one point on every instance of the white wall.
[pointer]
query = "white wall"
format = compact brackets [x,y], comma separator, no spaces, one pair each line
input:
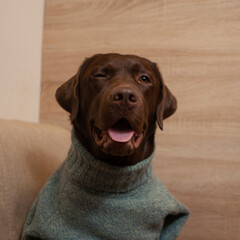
[21,30]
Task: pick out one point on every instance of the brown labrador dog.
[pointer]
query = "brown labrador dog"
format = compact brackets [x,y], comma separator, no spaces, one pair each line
[114,102]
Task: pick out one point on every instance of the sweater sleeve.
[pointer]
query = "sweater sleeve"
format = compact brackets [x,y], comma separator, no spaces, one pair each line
[25,233]
[173,224]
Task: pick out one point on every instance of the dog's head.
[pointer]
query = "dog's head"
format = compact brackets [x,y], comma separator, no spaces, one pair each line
[114,103]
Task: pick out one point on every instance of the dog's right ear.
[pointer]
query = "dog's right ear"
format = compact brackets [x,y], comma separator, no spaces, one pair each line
[67,96]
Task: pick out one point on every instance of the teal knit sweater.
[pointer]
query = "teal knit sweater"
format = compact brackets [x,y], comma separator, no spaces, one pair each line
[90,199]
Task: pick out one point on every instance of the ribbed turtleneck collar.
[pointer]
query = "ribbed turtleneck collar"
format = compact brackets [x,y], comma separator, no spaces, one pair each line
[100,176]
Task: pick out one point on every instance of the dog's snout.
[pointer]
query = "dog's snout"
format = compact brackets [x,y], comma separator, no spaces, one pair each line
[124,97]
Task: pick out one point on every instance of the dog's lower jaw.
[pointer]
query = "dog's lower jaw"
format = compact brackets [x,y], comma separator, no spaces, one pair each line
[131,157]
[122,149]
[127,158]
[116,142]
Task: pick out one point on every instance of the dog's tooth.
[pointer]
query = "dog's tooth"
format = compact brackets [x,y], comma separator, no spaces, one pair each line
[105,145]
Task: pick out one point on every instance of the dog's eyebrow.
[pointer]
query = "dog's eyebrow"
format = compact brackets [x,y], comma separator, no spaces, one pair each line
[100,68]
[138,68]
[108,68]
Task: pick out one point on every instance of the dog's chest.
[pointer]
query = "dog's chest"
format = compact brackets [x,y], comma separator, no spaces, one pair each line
[110,216]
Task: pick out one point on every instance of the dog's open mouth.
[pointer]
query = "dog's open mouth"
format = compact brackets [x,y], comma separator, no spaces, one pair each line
[121,131]
[118,137]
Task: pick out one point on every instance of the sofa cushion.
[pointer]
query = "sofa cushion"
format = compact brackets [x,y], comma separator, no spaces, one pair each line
[29,154]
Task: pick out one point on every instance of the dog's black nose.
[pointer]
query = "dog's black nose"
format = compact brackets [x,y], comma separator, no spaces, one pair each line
[124,97]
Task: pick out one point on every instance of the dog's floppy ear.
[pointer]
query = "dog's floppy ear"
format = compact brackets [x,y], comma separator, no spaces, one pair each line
[167,103]
[166,107]
[67,96]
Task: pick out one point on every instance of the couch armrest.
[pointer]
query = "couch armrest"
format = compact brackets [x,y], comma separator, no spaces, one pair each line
[29,154]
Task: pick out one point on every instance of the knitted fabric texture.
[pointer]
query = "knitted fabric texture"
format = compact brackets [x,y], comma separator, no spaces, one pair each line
[90,199]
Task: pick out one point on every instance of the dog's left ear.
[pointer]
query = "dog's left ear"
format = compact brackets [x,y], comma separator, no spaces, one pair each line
[167,103]
[166,107]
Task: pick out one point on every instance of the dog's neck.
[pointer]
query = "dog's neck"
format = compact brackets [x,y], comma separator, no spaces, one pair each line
[101,176]
[145,149]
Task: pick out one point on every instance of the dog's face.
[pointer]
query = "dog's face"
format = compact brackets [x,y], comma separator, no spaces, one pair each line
[114,101]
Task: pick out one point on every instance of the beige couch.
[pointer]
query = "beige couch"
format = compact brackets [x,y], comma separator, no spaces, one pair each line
[29,154]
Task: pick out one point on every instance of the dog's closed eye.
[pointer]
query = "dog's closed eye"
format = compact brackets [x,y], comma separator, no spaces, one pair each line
[100,75]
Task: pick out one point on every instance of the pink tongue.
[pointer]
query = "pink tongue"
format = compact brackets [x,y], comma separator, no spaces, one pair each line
[120,136]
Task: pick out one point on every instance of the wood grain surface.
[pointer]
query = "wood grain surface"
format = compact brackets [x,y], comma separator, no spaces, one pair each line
[197,47]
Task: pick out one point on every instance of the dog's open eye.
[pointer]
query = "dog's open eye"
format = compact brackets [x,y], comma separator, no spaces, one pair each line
[100,75]
[145,79]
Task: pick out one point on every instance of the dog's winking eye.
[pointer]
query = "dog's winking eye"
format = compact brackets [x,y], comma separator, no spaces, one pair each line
[145,79]
[100,75]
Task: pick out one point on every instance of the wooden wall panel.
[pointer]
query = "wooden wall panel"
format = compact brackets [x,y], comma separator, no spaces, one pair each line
[197,47]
